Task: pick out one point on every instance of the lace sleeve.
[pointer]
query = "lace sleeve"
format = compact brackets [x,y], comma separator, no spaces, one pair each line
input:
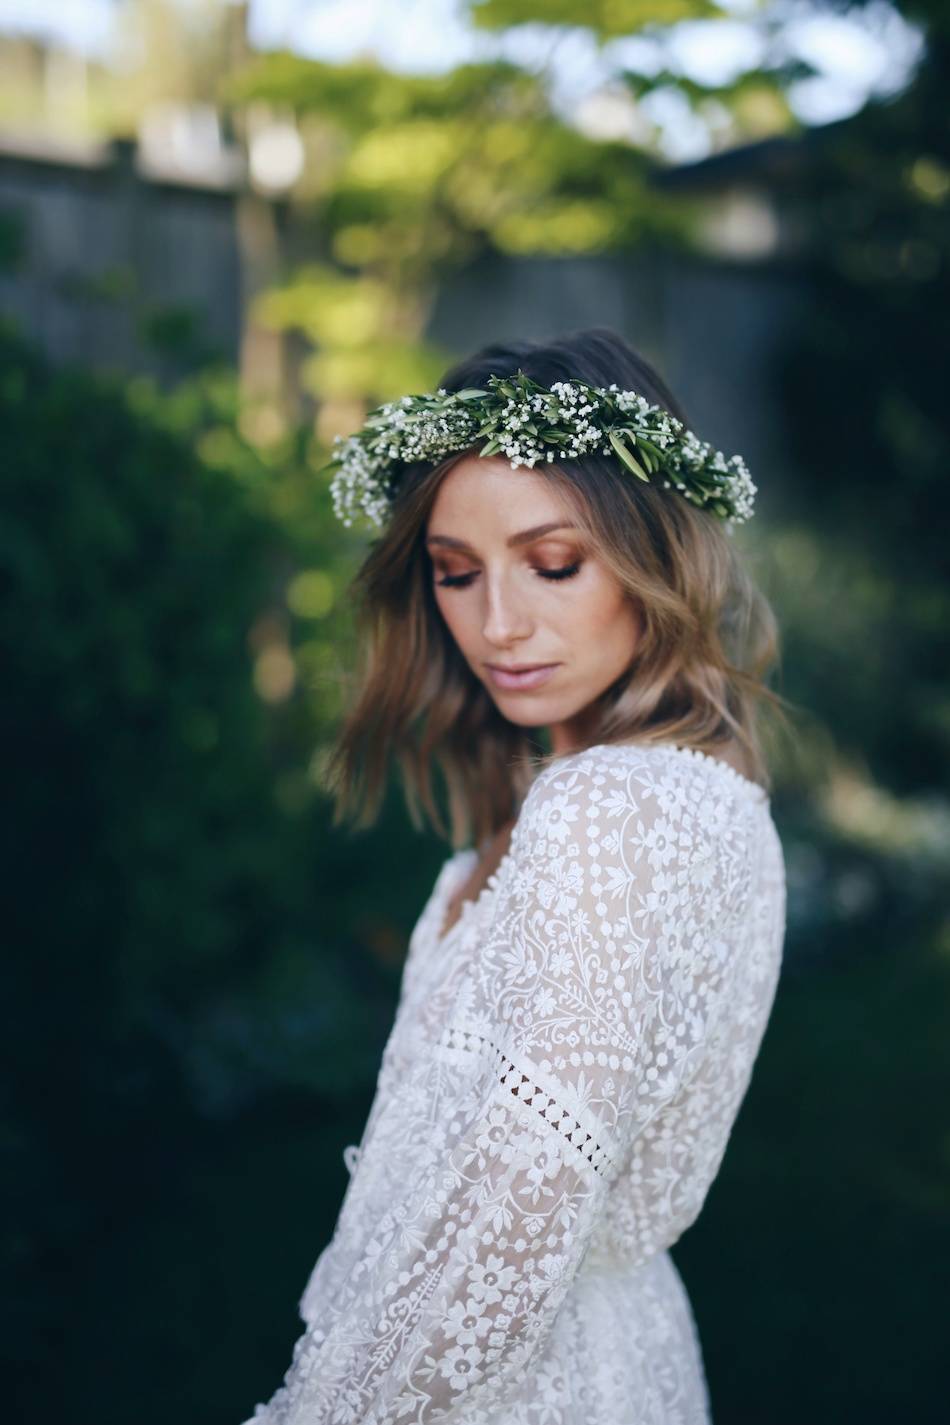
[588,1007]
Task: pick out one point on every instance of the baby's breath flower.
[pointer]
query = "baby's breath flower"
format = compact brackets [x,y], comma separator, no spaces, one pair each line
[528,423]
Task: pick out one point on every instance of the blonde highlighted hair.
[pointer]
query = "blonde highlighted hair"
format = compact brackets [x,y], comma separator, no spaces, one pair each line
[697,678]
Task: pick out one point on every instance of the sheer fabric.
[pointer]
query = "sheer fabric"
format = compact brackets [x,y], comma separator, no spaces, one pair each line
[554,1101]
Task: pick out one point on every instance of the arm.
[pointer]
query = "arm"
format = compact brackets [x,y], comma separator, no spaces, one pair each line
[589,1007]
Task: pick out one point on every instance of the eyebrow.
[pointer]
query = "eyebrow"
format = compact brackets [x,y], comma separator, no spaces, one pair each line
[524,536]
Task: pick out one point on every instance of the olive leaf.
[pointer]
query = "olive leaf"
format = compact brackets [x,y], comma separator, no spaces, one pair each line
[627,456]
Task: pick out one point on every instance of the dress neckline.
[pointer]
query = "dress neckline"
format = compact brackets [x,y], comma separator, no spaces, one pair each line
[741,782]
[467,856]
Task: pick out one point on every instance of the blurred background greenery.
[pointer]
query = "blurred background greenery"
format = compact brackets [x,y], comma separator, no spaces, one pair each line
[225,232]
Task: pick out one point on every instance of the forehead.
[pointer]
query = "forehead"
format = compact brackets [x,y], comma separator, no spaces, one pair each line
[488,496]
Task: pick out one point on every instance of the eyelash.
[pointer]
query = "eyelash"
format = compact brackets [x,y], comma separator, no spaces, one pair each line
[461,581]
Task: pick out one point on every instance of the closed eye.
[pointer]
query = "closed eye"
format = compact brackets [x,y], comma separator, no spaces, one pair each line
[461,581]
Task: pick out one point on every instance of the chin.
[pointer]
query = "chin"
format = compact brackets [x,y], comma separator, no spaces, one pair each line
[526,711]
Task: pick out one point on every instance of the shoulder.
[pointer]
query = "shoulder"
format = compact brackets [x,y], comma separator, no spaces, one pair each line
[642,809]
[673,777]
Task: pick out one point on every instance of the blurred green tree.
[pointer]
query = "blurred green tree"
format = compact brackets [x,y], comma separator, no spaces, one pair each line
[870,501]
[186,941]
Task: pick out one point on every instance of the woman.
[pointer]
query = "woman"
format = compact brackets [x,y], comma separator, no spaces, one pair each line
[588,984]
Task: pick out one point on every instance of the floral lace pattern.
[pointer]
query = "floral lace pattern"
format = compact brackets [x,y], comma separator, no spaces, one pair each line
[554,1101]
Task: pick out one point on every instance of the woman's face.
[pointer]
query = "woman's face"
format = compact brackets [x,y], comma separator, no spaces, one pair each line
[520,589]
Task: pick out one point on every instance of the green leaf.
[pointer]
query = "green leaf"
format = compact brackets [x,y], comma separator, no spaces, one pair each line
[627,456]
[471,393]
[491,448]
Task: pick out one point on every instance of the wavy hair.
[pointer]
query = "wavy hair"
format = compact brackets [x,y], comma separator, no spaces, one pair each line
[697,678]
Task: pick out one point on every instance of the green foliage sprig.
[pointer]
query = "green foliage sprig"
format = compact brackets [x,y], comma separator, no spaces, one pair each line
[530,423]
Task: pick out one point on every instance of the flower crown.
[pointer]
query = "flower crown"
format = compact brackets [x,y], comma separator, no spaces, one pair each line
[518,417]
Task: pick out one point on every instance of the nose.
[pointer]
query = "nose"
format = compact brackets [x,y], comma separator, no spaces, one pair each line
[506,619]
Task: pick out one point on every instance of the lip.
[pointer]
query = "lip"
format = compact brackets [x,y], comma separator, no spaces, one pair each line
[529,676]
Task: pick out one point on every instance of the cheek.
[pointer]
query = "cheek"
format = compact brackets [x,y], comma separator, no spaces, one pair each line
[453,613]
[604,616]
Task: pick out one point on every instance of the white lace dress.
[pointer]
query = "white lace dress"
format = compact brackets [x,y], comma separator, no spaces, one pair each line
[554,1101]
